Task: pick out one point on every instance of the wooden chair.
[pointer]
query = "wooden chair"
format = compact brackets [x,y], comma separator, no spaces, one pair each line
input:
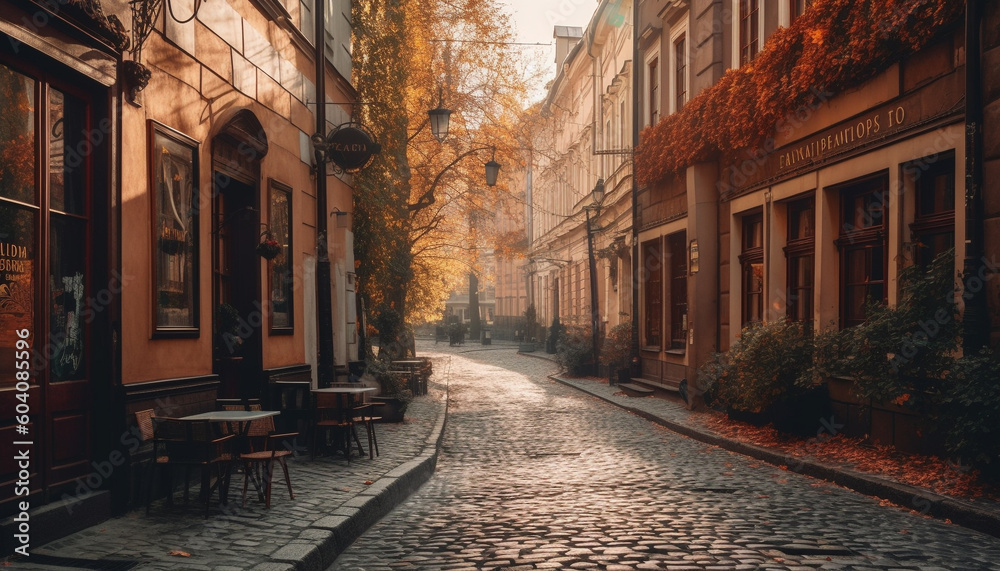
[333,412]
[364,414]
[158,456]
[258,462]
[196,444]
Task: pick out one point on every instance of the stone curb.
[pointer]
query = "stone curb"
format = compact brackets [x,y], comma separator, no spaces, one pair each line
[318,545]
[923,501]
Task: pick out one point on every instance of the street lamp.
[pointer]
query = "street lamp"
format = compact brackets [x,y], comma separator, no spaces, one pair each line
[492,169]
[439,120]
[595,316]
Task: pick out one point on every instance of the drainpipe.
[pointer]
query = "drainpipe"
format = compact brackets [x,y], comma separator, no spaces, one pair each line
[324,316]
[636,117]
[975,320]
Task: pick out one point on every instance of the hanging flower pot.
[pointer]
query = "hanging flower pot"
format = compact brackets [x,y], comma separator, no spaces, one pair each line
[268,248]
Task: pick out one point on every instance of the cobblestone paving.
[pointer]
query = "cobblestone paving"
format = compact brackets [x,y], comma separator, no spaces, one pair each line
[534,474]
[234,537]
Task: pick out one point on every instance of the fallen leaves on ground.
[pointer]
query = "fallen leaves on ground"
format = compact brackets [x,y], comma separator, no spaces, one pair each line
[929,472]
[179,553]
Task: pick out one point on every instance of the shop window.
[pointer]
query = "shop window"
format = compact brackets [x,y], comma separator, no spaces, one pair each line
[933,228]
[677,253]
[752,268]
[863,247]
[800,255]
[652,259]
[174,190]
[281,276]
[749,30]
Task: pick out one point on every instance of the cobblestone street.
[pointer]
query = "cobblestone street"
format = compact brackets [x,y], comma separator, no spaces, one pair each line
[534,474]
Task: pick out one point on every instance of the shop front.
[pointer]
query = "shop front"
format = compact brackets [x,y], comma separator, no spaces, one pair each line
[59,280]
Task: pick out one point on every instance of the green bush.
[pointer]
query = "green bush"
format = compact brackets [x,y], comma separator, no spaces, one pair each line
[970,409]
[768,364]
[576,353]
[617,347]
[393,385]
[902,352]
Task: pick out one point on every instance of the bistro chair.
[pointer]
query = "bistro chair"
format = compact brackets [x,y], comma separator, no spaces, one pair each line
[332,412]
[195,444]
[364,414]
[265,448]
[158,455]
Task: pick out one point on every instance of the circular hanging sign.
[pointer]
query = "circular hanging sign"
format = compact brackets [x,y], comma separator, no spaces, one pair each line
[351,148]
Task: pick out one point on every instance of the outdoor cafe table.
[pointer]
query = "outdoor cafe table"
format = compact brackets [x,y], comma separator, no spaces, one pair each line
[242,419]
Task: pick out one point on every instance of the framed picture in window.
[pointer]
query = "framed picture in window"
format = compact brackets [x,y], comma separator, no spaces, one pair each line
[281,278]
[173,180]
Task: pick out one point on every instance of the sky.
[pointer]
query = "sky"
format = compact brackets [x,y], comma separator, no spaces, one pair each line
[534,20]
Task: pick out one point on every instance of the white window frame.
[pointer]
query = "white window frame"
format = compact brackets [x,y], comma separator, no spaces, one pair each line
[681,29]
[734,6]
[647,105]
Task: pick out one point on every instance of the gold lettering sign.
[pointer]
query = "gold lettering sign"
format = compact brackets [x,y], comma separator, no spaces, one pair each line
[854,133]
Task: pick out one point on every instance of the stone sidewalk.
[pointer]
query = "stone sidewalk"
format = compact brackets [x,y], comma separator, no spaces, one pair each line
[335,501]
[981,515]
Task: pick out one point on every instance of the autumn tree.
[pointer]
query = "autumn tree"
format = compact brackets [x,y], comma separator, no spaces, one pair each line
[422,210]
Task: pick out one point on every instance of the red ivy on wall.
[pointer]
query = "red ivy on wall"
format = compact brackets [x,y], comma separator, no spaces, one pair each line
[834,45]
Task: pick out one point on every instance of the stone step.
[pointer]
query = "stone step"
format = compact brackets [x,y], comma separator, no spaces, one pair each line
[666,384]
[634,390]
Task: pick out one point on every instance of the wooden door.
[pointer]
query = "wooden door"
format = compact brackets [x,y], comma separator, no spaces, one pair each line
[50,141]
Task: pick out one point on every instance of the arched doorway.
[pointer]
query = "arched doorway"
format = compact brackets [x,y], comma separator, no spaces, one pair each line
[237,150]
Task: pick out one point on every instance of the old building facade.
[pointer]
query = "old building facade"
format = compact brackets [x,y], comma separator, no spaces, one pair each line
[146,156]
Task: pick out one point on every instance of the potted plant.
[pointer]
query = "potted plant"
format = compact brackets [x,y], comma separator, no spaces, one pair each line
[616,351]
[530,326]
[395,396]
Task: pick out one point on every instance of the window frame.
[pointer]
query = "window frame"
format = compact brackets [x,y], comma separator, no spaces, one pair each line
[653,290]
[751,256]
[748,20]
[653,89]
[867,238]
[680,84]
[938,221]
[676,247]
[797,248]
[156,130]
[288,252]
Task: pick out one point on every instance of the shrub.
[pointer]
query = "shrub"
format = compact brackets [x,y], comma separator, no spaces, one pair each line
[768,364]
[393,385]
[617,347]
[969,410]
[902,352]
[576,353]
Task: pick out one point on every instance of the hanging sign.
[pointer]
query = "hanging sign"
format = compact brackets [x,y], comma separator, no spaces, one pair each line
[351,148]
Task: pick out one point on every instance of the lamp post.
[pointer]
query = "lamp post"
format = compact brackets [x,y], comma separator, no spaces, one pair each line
[595,314]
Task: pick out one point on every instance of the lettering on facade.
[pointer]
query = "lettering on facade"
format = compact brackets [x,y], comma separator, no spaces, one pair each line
[857,132]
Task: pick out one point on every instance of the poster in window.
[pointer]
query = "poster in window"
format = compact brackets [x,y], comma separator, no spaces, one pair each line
[281,279]
[174,186]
